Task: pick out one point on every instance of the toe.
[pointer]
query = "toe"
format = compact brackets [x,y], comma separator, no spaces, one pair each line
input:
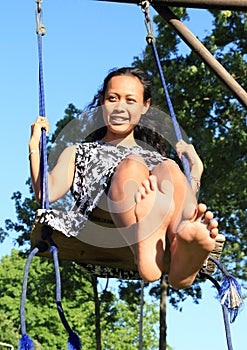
[208,217]
[202,208]
[214,233]
[212,224]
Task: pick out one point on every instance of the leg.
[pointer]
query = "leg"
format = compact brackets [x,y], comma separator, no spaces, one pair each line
[127,178]
[168,205]
[191,237]
[147,236]
[154,209]
[191,246]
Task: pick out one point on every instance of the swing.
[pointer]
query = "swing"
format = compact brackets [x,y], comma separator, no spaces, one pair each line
[97,258]
[107,262]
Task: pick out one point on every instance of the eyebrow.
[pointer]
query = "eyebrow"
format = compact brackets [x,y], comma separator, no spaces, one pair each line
[128,94]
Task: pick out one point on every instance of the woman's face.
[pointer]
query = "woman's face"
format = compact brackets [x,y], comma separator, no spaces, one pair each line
[123,105]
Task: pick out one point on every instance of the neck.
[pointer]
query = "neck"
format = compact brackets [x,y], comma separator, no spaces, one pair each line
[118,140]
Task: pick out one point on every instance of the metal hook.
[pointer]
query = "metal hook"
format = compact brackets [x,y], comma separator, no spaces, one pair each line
[38,5]
[145,4]
[40,29]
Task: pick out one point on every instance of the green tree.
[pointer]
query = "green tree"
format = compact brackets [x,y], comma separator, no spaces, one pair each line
[119,322]
[215,123]
[213,119]
[100,318]
[42,320]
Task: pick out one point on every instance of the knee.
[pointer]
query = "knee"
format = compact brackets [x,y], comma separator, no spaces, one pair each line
[131,168]
[128,175]
[132,165]
[167,167]
[169,170]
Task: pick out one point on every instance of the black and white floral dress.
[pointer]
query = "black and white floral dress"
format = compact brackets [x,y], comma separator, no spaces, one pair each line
[95,164]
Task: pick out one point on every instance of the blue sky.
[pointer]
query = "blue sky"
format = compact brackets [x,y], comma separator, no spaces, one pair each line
[84,40]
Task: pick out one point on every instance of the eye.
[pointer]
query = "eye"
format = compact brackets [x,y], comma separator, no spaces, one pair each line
[131,100]
[112,98]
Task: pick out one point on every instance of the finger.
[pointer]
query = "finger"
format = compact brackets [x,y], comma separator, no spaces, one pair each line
[43,123]
[40,119]
[142,190]
[146,187]
[137,197]
[153,182]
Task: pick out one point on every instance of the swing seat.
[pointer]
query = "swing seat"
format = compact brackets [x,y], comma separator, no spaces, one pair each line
[209,265]
[117,262]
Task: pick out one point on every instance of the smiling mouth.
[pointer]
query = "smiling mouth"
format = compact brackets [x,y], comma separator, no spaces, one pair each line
[118,120]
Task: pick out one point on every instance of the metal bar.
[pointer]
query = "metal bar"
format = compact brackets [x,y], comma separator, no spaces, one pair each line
[235,5]
[195,44]
[204,54]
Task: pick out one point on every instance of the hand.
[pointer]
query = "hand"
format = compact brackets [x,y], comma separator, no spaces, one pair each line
[37,126]
[190,153]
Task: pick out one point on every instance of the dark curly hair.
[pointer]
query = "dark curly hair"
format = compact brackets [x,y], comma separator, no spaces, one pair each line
[144,78]
[146,136]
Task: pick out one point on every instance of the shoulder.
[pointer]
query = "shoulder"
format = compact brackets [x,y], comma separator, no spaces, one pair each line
[68,153]
[70,150]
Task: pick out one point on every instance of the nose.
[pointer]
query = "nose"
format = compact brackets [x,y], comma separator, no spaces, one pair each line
[119,106]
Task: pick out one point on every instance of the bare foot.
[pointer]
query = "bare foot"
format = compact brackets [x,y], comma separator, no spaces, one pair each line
[191,246]
[154,209]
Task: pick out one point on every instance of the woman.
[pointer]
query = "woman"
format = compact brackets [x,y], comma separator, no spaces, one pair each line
[148,197]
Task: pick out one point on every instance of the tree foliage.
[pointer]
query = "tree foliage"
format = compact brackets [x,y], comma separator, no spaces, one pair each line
[119,322]
[213,119]
[216,124]
[118,318]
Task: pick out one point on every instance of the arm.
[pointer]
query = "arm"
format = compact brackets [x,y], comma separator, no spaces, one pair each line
[195,163]
[61,177]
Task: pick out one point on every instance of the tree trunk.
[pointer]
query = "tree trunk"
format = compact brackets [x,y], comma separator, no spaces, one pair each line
[163,325]
[141,315]
[97,312]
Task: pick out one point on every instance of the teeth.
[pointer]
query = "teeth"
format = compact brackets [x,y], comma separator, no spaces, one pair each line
[119,119]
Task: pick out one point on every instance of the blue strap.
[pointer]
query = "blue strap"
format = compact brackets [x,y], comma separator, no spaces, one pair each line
[25,343]
[171,109]
[74,342]
[41,78]
[227,291]
[204,274]
[151,41]
[230,291]
[44,203]
[24,289]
